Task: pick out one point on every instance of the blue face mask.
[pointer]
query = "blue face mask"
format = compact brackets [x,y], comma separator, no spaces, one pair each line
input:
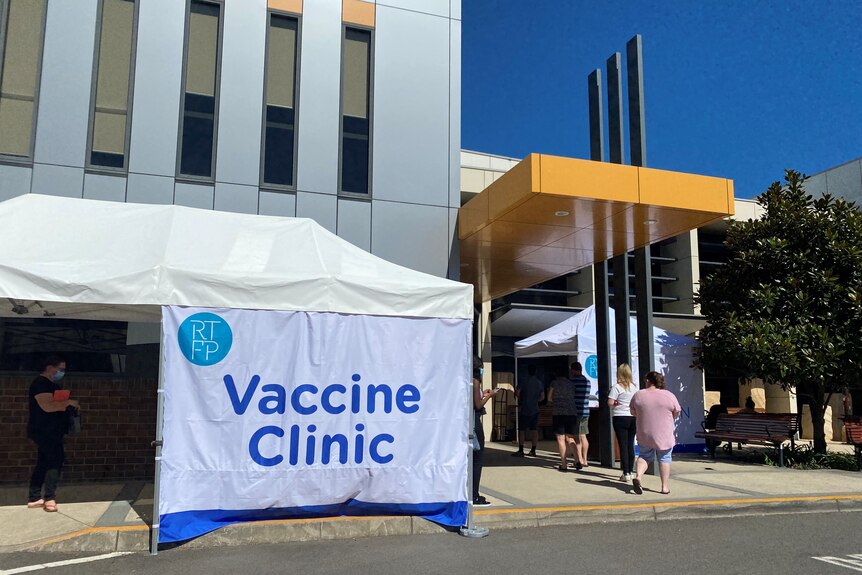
[58,375]
[481,371]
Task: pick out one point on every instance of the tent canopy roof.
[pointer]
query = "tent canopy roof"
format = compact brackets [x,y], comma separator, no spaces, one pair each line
[579,332]
[90,259]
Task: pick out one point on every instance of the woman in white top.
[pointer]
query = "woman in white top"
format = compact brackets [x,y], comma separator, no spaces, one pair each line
[624,422]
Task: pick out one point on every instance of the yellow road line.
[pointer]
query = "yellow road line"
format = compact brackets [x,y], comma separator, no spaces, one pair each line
[674,504]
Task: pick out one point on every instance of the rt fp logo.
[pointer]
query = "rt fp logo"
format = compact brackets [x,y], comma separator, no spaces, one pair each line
[205,338]
[592,366]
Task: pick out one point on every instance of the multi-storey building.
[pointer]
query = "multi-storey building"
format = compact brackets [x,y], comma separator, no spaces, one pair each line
[344,111]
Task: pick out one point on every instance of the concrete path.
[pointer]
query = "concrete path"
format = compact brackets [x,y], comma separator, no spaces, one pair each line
[102,518]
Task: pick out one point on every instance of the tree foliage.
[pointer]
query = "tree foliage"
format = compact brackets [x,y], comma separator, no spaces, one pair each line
[787,307]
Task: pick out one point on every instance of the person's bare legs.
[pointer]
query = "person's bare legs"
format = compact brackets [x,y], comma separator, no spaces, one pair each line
[664,473]
[563,447]
[583,447]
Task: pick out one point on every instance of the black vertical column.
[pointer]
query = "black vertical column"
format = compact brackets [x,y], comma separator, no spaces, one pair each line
[637,141]
[600,281]
[621,262]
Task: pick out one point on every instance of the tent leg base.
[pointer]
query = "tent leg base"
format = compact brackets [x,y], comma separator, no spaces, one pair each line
[474,532]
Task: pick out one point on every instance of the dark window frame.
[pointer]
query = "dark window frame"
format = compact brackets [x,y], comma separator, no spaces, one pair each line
[370,102]
[4,14]
[89,166]
[296,87]
[180,176]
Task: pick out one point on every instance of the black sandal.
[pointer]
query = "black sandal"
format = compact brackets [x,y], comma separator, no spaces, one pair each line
[562,469]
[636,485]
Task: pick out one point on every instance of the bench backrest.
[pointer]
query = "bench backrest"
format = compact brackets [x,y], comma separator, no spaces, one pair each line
[853,426]
[759,424]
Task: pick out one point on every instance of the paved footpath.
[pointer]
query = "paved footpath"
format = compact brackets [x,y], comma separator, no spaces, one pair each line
[528,492]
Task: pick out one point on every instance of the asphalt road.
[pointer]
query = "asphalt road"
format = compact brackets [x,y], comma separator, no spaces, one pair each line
[751,545]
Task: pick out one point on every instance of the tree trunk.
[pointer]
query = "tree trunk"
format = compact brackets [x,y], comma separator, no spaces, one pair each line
[816,405]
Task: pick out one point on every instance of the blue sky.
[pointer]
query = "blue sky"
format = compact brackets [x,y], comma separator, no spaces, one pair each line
[738,89]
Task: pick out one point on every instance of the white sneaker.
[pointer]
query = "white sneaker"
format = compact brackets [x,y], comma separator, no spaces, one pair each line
[629,477]
[624,478]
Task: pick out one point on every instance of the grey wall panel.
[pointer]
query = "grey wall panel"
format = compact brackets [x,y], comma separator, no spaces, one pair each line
[354,222]
[277,204]
[437,7]
[411,235]
[108,188]
[64,95]
[411,108]
[14,181]
[845,181]
[319,86]
[816,185]
[455,113]
[193,196]
[454,271]
[144,189]
[236,198]
[319,207]
[58,181]
[158,75]
[241,94]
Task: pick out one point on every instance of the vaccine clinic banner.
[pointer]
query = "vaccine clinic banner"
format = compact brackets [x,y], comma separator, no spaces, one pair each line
[279,415]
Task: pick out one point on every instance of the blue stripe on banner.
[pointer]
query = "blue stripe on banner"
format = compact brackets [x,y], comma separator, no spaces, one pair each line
[189,524]
[690,448]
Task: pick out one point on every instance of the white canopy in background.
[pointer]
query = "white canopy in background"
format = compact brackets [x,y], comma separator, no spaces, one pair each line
[118,261]
[674,356]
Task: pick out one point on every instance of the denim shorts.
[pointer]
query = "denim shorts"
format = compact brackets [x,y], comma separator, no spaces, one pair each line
[648,454]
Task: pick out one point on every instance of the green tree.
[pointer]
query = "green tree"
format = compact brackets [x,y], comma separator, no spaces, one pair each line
[787,307]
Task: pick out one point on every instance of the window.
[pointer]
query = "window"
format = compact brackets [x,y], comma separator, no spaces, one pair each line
[200,91]
[21,26]
[280,105]
[355,108]
[112,85]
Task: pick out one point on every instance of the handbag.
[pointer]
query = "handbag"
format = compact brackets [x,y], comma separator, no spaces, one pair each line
[74,427]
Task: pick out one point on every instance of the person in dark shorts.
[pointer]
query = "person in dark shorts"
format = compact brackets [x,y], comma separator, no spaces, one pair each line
[565,419]
[46,427]
[529,396]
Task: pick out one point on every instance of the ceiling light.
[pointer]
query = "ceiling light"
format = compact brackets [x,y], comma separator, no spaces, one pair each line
[650,222]
[561,214]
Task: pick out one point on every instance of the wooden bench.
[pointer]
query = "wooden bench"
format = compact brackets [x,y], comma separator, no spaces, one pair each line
[853,427]
[771,429]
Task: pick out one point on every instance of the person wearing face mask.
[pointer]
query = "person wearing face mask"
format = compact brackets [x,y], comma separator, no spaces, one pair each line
[480,398]
[46,427]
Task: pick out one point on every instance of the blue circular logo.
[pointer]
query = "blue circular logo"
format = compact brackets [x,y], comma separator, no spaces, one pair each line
[592,366]
[205,338]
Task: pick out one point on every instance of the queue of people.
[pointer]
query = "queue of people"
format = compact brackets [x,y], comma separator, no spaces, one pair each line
[648,413]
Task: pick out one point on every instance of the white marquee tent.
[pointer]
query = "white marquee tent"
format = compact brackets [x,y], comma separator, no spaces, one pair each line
[576,336]
[75,258]
[116,261]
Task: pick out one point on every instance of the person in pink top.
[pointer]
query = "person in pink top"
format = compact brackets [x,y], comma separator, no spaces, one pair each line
[655,409]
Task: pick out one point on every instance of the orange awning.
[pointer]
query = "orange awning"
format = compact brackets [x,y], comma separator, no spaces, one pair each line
[550,216]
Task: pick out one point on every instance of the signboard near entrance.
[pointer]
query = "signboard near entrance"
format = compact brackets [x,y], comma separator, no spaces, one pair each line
[280,415]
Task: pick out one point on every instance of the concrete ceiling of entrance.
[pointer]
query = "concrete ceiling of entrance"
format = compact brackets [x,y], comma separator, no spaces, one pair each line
[549,216]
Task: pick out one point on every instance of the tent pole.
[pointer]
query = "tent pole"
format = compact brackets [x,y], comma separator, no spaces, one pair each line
[160,406]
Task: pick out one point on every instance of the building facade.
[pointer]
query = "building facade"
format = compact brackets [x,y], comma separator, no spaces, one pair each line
[347,112]
[344,111]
